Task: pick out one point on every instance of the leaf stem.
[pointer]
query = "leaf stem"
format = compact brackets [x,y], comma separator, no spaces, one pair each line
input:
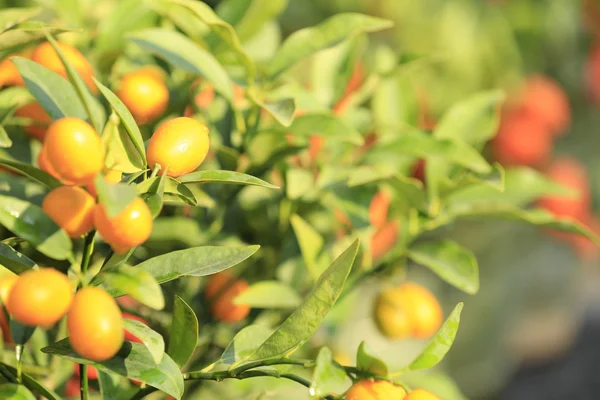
[19,357]
[88,249]
[83,381]
[276,361]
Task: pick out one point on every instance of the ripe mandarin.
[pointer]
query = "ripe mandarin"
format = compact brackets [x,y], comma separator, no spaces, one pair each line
[40,119]
[40,297]
[180,145]
[145,95]
[421,394]
[375,390]
[221,290]
[95,324]
[9,75]
[71,208]
[522,140]
[130,228]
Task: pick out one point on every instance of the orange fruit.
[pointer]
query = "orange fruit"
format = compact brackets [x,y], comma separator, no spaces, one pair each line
[95,324]
[40,297]
[45,55]
[378,209]
[72,388]
[74,150]
[71,208]
[421,394]
[571,174]
[546,102]
[384,239]
[145,95]
[407,310]
[369,389]
[522,140]
[180,145]
[110,176]
[593,72]
[92,372]
[9,74]
[130,228]
[45,166]
[221,290]
[41,119]
[6,284]
[130,336]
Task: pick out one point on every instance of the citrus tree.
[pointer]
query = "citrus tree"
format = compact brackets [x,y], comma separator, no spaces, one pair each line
[148,154]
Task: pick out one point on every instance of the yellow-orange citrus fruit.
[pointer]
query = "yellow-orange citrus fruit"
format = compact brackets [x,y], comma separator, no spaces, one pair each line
[45,55]
[6,284]
[9,75]
[522,140]
[40,297]
[145,95]
[384,239]
[221,290]
[546,102]
[110,176]
[71,208]
[74,150]
[40,118]
[421,394]
[408,310]
[378,209]
[130,228]
[95,324]
[375,390]
[180,145]
[45,165]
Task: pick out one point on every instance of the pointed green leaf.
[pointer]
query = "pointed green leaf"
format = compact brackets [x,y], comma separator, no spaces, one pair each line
[450,261]
[31,172]
[299,181]
[133,281]
[282,110]
[29,222]
[326,125]
[310,242]
[269,294]
[184,332]
[109,385]
[114,197]
[231,177]
[5,141]
[151,339]
[330,32]
[366,361]
[439,346]
[14,391]
[32,384]
[10,17]
[54,93]
[301,325]
[20,333]
[121,153]
[133,361]
[327,376]
[180,51]
[245,342]
[26,34]
[128,122]
[15,261]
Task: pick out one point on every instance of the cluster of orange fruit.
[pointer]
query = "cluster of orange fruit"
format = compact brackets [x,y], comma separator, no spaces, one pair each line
[42,297]
[221,291]
[370,389]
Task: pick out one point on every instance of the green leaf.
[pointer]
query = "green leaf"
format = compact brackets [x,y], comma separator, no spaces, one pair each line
[450,261]
[174,192]
[32,224]
[269,294]
[231,177]
[10,17]
[31,172]
[135,282]
[115,197]
[118,259]
[310,242]
[20,333]
[14,391]
[133,361]
[326,125]
[32,384]
[195,261]
[439,346]
[180,51]
[94,110]
[54,93]
[474,120]
[151,339]
[256,15]
[330,32]
[222,29]
[130,126]
[184,332]
[154,197]
[304,321]
[27,34]
[5,141]
[109,385]
[327,376]
[299,181]
[15,261]
[366,361]
[245,342]
[282,110]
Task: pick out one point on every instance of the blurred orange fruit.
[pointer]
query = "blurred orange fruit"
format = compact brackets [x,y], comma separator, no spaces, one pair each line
[421,394]
[45,55]
[71,208]
[145,95]
[378,209]
[369,389]
[221,290]
[546,102]
[41,120]
[384,240]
